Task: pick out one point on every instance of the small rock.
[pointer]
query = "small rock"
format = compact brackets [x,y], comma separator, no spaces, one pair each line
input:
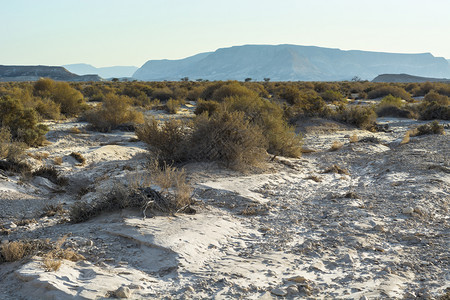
[298,279]
[379,228]
[318,266]
[292,290]
[348,259]
[190,289]
[419,210]
[363,298]
[10,225]
[408,210]
[123,292]
[279,292]
[266,296]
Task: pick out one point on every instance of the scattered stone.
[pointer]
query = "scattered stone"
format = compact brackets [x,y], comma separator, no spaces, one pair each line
[348,259]
[379,228]
[190,289]
[363,298]
[279,292]
[408,210]
[298,279]
[318,266]
[123,292]
[292,289]
[10,225]
[419,210]
[266,296]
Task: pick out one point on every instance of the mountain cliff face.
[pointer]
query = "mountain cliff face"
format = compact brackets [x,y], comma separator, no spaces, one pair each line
[106,72]
[291,62]
[32,73]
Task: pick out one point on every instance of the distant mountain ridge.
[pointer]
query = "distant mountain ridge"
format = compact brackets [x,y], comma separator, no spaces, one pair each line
[292,63]
[407,78]
[33,73]
[105,72]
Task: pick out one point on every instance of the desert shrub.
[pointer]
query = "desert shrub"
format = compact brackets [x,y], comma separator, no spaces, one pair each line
[114,111]
[385,90]
[268,116]
[80,158]
[229,138]
[390,100]
[174,185]
[167,141]
[172,106]
[290,93]
[209,106]
[430,128]
[396,112]
[232,89]
[22,122]
[163,94]
[433,96]
[195,93]
[71,101]
[332,96]
[336,169]
[9,149]
[174,196]
[48,109]
[360,116]
[52,174]
[309,104]
[434,106]
[336,146]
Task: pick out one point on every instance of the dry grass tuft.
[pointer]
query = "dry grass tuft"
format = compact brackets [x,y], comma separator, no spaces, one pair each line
[58,160]
[14,251]
[80,158]
[39,155]
[336,169]
[53,210]
[353,138]
[336,146]
[314,178]
[75,130]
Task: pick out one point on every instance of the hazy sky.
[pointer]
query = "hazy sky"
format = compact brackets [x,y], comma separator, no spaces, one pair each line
[130,32]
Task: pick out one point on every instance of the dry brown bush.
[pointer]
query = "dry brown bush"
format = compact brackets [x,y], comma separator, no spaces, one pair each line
[79,157]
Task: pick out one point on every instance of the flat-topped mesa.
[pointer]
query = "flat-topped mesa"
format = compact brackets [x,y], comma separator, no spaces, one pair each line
[407,78]
[33,73]
[292,63]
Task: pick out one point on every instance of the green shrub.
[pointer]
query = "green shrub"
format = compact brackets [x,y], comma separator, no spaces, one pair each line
[390,100]
[396,112]
[22,122]
[434,106]
[232,89]
[363,117]
[172,106]
[70,100]
[114,111]
[9,149]
[48,109]
[209,106]
[430,128]
[385,90]
[332,96]
[163,94]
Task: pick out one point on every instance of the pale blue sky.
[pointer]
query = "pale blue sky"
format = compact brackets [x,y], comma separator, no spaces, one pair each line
[130,32]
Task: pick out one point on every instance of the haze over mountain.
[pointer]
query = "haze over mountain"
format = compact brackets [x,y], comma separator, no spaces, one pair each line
[292,62]
[105,72]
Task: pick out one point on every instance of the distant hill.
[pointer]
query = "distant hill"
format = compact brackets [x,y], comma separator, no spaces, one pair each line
[406,78]
[291,62]
[33,73]
[106,72]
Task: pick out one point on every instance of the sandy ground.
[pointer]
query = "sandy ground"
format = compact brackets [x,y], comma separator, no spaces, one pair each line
[380,231]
